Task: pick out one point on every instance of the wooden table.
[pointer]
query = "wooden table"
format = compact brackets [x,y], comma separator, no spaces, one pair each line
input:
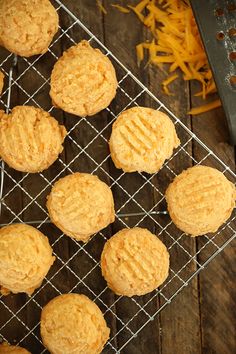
[201,319]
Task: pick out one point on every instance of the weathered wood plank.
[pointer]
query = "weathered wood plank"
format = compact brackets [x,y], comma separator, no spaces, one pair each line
[34,91]
[201,319]
[188,333]
[217,289]
[122,33]
[86,132]
[180,322]
[12,204]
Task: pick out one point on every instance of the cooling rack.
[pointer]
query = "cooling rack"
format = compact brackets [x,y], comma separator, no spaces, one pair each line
[139,200]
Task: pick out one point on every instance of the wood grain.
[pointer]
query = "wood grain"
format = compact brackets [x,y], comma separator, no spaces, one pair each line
[201,319]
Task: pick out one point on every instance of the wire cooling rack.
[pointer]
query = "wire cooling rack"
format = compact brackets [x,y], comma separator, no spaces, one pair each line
[139,200]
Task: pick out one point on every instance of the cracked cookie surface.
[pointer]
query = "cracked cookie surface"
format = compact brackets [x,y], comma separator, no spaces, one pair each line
[200,200]
[25,258]
[142,139]
[134,262]
[81,205]
[11,349]
[72,323]
[31,140]
[27,27]
[83,81]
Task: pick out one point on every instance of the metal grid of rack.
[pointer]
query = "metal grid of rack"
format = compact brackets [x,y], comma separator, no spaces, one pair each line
[88,144]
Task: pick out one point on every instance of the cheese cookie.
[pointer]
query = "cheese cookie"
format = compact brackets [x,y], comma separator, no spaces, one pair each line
[27,27]
[200,200]
[134,262]
[83,81]
[72,323]
[25,258]
[10,349]
[142,139]
[31,139]
[81,205]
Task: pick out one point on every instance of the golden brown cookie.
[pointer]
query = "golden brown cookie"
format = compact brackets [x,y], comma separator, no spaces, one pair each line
[81,205]
[10,349]
[36,135]
[83,81]
[1,82]
[142,139]
[200,200]
[25,258]
[134,262]
[72,323]
[27,27]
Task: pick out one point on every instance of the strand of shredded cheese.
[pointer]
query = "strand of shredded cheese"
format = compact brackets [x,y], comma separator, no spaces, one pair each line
[101,7]
[166,82]
[121,8]
[140,52]
[205,108]
[211,88]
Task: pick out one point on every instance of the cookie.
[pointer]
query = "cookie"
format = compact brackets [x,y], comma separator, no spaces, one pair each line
[72,323]
[142,139]
[83,81]
[10,349]
[200,200]
[134,262]
[80,205]
[1,82]
[25,258]
[36,135]
[27,27]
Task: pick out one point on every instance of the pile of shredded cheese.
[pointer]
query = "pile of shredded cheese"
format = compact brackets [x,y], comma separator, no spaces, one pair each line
[176,42]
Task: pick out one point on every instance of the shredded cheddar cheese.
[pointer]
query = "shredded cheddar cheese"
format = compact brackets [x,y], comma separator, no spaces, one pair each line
[101,7]
[121,8]
[166,82]
[140,53]
[205,108]
[176,43]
